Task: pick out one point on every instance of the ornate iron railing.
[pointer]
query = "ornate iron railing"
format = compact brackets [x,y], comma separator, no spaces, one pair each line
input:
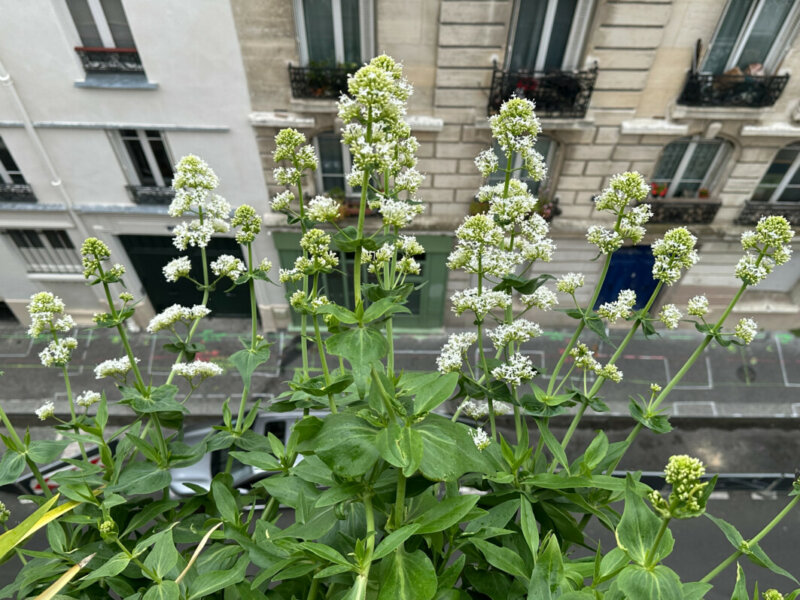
[753,211]
[688,211]
[110,60]
[16,192]
[557,94]
[747,91]
[319,82]
[152,195]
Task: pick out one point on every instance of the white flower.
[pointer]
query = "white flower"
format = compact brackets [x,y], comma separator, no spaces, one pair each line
[115,367]
[670,316]
[570,282]
[174,314]
[543,298]
[750,271]
[606,240]
[611,372]
[197,368]
[519,331]
[46,312]
[322,209]
[746,330]
[584,358]
[282,201]
[452,353]
[265,265]
[228,266]
[480,304]
[698,306]
[487,162]
[517,369]
[87,398]
[622,190]
[396,213]
[478,409]
[408,244]
[620,308]
[46,410]
[177,268]
[675,251]
[193,233]
[480,438]
[58,352]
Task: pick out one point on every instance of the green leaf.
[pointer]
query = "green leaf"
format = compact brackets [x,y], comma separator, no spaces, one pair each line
[289,489]
[638,528]
[111,567]
[401,447]
[659,582]
[695,590]
[141,478]
[731,533]
[163,557]
[384,306]
[548,574]
[46,451]
[261,460]
[501,558]
[446,513]
[553,444]
[527,523]
[342,314]
[11,467]
[448,449]
[597,325]
[596,451]
[658,423]
[757,555]
[360,346]
[407,576]
[346,444]
[317,387]
[226,503]
[395,539]
[207,583]
[166,590]
[612,562]
[154,400]
[326,553]
[430,389]
[247,361]
[740,589]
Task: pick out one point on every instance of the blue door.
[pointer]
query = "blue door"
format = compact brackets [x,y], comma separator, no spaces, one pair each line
[631,268]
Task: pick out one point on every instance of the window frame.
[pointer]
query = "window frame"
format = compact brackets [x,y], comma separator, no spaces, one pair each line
[712,173]
[129,165]
[102,25]
[6,172]
[779,47]
[366,22]
[575,40]
[787,178]
[44,257]
[347,165]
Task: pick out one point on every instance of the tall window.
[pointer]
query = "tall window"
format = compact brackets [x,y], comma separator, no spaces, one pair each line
[751,36]
[781,182]
[688,166]
[544,146]
[101,23]
[148,162]
[547,35]
[9,171]
[334,32]
[334,165]
[46,250]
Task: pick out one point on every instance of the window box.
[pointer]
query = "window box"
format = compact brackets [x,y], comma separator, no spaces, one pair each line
[557,94]
[686,211]
[16,192]
[753,211]
[110,60]
[151,195]
[727,89]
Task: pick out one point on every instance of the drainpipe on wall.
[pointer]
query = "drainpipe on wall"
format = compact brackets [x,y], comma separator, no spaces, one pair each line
[55,181]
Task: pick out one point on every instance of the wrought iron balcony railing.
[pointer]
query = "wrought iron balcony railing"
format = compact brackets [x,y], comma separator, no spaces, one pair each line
[687,211]
[151,195]
[16,192]
[558,94]
[745,91]
[753,211]
[110,60]
[319,82]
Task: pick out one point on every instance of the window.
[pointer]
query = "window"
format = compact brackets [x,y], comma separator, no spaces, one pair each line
[426,304]
[547,35]
[751,36]
[9,171]
[101,23]
[334,32]
[544,146]
[46,251]
[146,161]
[688,166]
[334,165]
[781,182]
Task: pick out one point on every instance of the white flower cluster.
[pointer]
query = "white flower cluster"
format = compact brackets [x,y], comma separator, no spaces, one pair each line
[480,304]
[519,331]
[623,189]
[670,316]
[479,409]
[487,162]
[45,411]
[324,209]
[765,248]
[406,245]
[619,309]
[194,180]
[318,258]
[115,367]
[396,213]
[47,315]
[282,201]
[567,284]
[174,314]
[87,398]
[543,298]
[515,128]
[452,353]
[197,368]
[746,330]
[228,266]
[513,207]
[58,352]
[698,306]
[480,438]
[515,370]
[673,252]
[532,242]
[290,145]
[584,359]
[606,240]
[177,268]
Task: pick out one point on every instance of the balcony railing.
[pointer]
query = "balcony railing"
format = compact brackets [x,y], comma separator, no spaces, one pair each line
[687,211]
[753,211]
[16,192]
[557,94]
[110,60]
[319,82]
[151,195]
[746,91]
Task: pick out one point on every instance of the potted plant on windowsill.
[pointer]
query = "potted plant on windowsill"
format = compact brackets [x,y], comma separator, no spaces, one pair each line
[658,190]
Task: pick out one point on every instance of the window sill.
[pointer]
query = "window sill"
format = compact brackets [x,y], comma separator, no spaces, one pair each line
[303,105]
[63,277]
[680,111]
[117,81]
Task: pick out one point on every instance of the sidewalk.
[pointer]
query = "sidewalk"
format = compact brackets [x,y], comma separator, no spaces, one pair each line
[761,380]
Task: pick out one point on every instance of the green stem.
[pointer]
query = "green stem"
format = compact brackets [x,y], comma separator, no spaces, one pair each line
[362,211]
[399,503]
[312,593]
[554,376]
[31,465]
[754,540]
[253,306]
[75,427]
[652,552]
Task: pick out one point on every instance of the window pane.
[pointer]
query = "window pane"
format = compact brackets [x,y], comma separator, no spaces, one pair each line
[162,158]
[139,161]
[701,160]
[58,238]
[763,193]
[726,36]
[790,194]
[767,26]
[331,162]
[9,165]
[779,167]
[351,30]
[560,34]
[319,32]
[670,159]
[527,35]
[84,23]
[118,24]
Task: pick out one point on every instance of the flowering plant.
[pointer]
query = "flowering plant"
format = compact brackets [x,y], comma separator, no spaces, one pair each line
[377,493]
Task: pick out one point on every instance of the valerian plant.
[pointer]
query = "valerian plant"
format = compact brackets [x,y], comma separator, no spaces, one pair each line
[378,492]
